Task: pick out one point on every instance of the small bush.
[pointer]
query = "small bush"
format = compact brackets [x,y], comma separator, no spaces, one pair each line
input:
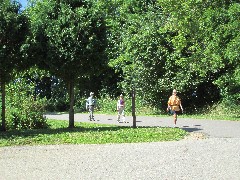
[80,104]
[224,109]
[29,115]
[58,104]
[24,109]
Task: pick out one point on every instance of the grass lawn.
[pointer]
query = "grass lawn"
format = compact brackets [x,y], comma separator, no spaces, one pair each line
[88,133]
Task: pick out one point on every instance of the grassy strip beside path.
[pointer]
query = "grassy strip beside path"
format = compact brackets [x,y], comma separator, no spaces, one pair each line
[88,133]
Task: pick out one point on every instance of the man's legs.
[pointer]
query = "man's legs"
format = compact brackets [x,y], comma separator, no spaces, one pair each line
[91,109]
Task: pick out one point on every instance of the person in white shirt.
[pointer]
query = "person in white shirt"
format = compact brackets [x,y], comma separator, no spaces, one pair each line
[120,109]
[90,104]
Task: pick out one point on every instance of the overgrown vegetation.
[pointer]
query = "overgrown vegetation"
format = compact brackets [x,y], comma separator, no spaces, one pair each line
[113,47]
[87,133]
[218,111]
[24,108]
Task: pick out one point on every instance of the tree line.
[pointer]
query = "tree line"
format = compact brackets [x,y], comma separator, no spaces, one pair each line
[147,47]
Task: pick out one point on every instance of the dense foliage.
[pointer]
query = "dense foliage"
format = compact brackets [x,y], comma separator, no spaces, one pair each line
[152,46]
[187,45]
[13,30]
[71,38]
[24,108]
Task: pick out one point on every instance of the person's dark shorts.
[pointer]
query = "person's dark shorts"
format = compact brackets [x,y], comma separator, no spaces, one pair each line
[172,112]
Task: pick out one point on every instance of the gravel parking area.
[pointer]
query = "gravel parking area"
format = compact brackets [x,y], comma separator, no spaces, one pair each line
[187,159]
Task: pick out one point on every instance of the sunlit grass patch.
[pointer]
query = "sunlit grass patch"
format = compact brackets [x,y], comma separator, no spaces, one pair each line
[88,133]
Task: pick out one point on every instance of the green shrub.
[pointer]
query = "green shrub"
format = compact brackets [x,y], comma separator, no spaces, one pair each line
[28,115]
[24,109]
[80,104]
[225,109]
[106,104]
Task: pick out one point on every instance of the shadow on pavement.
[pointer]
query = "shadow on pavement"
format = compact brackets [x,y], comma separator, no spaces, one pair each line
[190,129]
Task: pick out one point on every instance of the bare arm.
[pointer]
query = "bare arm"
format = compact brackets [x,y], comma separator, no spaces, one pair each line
[181,107]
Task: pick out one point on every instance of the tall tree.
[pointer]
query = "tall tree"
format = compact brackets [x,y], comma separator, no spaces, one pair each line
[168,44]
[206,42]
[71,37]
[13,28]
[132,43]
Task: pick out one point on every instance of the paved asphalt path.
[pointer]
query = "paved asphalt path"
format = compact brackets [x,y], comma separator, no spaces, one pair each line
[215,157]
[211,128]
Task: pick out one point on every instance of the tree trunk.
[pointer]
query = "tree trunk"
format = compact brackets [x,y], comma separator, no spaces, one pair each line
[133,108]
[71,110]
[3,106]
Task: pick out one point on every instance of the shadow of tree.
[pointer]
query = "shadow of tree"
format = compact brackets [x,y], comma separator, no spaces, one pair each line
[185,128]
[49,131]
[78,128]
